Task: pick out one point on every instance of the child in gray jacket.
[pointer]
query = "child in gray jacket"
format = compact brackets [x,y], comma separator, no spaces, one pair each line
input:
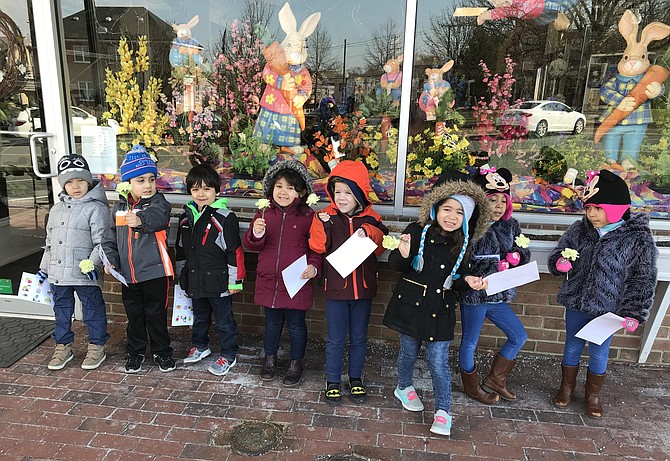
[72,262]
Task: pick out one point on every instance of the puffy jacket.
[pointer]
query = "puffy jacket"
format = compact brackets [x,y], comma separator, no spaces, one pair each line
[210,258]
[613,273]
[327,237]
[420,305]
[141,253]
[75,230]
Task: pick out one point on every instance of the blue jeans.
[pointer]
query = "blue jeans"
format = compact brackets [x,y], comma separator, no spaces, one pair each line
[222,308]
[95,315]
[437,355]
[350,316]
[575,321]
[502,316]
[297,331]
[632,137]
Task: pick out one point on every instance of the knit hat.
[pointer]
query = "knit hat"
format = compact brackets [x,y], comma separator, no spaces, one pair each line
[496,181]
[136,163]
[73,166]
[609,192]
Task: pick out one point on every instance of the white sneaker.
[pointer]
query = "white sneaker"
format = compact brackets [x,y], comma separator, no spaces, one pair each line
[407,396]
[441,423]
[196,355]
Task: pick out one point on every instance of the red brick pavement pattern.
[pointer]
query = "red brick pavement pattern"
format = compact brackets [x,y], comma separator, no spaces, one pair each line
[108,415]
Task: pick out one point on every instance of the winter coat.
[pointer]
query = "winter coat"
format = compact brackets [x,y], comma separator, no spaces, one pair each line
[209,254]
[140,253]
[326,237]
[493,247]
[74,232]
[420,305]
[613,273]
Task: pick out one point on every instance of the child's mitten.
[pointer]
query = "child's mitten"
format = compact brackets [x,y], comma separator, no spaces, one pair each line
[630,324]
[92,275]
[503,265]
[41,276]
[513,258]
[563,265]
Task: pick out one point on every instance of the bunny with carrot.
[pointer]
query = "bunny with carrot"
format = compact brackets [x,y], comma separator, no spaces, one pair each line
[185,49]
[288,84]
[629,92]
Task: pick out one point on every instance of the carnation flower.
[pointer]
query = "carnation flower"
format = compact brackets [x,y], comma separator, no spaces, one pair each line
[570,254]
[312,199]
[86,266]
[262,204]
[124,188]
[522,241]
[390,243]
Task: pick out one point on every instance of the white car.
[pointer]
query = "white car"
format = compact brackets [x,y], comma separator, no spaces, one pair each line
[29,121]
[542,117]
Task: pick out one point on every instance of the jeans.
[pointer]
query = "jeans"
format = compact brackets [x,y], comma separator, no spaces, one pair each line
[575,321]
[222,308]
[632,137]
[297,331]
[146,309]
[342,316]
[95,315]
[437,355]
[502,316]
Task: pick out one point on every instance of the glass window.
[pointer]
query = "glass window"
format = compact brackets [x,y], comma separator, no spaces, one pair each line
[86,91]
[80,53]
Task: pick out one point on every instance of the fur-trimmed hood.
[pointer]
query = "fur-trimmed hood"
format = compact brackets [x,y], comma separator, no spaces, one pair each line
[287,165]
[481,218]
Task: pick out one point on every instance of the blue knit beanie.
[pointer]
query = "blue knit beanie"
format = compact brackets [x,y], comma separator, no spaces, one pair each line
[136,163]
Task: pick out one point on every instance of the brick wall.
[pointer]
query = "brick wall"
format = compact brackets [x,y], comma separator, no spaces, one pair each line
[535,304]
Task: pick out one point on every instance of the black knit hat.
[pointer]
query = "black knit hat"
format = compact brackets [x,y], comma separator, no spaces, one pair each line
[494,180]
[609,192]
[73,166]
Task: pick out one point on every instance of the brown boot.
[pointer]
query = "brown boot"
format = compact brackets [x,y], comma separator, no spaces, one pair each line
[497,377]
[568,382]
[594,383]
[269,369]
[473,389]
[294,373]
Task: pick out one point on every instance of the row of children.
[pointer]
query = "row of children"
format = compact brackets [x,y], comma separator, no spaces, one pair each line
[465,232]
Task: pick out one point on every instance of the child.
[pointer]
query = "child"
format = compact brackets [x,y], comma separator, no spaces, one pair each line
[348,300]
[495,252]
[615,271]
[429,255]
[75,229]
[137,245]
[210,261]
[280,233]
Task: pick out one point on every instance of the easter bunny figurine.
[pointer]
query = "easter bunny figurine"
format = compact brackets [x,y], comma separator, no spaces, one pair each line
[434,89]
[392,78]
[185,49]
[620,93]
[288,84]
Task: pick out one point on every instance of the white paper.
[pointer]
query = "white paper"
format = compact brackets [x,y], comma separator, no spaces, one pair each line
[182,308]
[98,146]
[292,273]
[601,328]
[351,254]
[31,289]
[511,278]
[108,265]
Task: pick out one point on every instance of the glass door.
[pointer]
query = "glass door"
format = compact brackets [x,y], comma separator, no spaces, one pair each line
[33,135]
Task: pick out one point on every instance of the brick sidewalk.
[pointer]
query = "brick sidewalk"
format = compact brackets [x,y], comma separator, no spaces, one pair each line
[189,413]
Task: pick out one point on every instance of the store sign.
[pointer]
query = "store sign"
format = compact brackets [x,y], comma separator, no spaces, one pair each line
[5,286]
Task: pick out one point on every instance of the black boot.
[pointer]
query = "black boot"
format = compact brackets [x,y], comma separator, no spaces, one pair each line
[294,373]
[269,369]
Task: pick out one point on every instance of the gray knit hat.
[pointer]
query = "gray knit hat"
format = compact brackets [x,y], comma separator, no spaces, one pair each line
[286,165]
[73,166]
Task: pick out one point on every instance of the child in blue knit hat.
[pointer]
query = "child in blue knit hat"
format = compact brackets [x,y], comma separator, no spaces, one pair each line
[137,246]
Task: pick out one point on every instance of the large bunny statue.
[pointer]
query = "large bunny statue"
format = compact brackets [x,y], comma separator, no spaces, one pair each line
[434,89]
[631,69]
[185,49]
[288,85]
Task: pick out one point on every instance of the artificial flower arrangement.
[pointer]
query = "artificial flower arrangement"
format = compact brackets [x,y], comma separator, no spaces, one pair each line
[135,110]
[430,154]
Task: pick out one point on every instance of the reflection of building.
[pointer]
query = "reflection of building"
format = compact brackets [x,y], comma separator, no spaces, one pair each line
[91,42]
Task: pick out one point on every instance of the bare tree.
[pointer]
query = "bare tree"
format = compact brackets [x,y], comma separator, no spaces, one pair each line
[257,14]
[320,57]
[385,43]
[448,37]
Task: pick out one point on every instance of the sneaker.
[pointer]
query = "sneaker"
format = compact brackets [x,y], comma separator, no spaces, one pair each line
[441,423]
[62,355]
[196,355]
[407,396]
[221,366]
[164,362]
[357,391]
[134,363]
[94,357]
[333,394]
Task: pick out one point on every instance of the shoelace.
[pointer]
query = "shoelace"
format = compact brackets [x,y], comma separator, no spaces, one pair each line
[221,361]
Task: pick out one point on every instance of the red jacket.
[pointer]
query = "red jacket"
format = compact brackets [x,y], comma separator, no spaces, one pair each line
[284,241]
[327,237]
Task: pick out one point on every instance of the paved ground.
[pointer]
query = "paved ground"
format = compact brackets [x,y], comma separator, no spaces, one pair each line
[190,414]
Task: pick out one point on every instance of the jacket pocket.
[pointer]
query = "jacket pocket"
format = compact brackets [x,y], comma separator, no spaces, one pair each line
[214,281]
[406,302]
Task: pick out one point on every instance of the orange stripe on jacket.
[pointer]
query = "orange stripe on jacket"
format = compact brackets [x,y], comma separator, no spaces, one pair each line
[161,239]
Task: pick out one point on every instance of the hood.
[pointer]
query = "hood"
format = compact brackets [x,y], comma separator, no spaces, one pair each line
[95,194]
[286,165]
[355,175]
[479,223]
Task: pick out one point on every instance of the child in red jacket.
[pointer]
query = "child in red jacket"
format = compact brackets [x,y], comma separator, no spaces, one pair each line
[349,299]
[279,233]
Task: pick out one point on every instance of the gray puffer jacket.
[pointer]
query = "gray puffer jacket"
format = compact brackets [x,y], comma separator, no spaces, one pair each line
[74,232]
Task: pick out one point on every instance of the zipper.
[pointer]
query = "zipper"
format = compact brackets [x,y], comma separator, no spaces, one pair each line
[281,233]
[204,238]
[353,274]
[425,287]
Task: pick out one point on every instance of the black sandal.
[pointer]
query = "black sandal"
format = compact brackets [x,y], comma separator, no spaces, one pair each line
[357,391]
[333,394]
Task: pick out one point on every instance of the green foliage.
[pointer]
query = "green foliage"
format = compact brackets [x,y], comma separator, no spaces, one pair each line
[380,105]
[445,112]
[656,169]
[551,166]
[248,154]
[580,154]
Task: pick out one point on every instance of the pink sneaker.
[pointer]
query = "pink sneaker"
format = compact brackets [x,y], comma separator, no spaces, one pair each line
[441,423]
[407,396]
